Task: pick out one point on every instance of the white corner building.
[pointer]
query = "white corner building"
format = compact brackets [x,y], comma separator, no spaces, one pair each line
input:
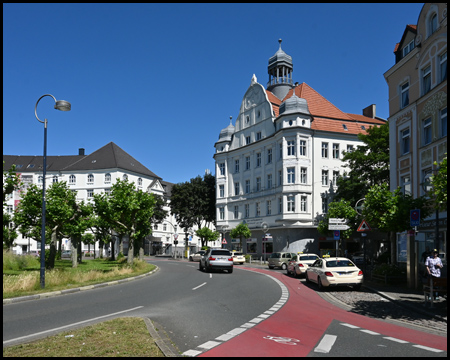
[276,168]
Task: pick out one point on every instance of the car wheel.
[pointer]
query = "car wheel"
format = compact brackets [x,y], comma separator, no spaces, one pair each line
[200,266]
[319,283]
[294,273]
[357,287]
[230,271]
[190,258]
[270,267]
[283,266]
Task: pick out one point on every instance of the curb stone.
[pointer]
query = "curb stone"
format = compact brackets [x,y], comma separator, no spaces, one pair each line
[161,339]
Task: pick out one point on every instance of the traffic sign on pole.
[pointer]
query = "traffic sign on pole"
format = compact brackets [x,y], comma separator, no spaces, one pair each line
[415,217]
[338,227]
[337,221]
[364,226]
[337,234]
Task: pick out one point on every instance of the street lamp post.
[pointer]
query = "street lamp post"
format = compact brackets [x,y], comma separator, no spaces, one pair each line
[63,106]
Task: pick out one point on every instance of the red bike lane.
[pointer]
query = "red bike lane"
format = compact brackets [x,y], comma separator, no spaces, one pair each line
[304,318]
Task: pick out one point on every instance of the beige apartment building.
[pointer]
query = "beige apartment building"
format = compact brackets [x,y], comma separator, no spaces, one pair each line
[418,123]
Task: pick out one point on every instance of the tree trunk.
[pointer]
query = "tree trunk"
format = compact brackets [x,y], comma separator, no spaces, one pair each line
[121,244]
[392,236]
[130,250]
[51,258]
[74,255]
[112,257]
[141,253]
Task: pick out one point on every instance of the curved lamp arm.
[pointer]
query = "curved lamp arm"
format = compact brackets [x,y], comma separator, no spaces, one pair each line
[62,105]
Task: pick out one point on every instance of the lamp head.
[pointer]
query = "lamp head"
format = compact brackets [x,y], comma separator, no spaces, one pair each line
[62,105]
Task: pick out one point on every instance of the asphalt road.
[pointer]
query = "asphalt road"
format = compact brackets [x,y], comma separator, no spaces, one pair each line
[252,312]
[191,305]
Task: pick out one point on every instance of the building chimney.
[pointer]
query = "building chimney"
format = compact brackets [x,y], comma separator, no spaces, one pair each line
[370,111]
[80,151]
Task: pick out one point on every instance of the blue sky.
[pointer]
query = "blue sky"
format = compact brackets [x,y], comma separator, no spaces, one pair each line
[162,80]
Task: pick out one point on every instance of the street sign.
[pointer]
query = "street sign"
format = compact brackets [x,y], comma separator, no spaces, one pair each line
[364,226]
[415,217]
[224,241]
[337,234]
[338,227]
[337,221]
[175,236]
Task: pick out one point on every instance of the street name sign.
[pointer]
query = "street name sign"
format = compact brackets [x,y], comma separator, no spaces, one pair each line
[338,227]
[337,221]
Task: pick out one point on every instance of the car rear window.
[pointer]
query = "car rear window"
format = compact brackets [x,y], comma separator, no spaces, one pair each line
[275,255]
[308,257]
[339,263]
[220,252]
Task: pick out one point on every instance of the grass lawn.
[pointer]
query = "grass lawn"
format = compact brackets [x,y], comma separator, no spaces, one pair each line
[21,274]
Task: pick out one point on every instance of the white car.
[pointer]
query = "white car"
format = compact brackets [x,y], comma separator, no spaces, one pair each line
[334,271]
[299,263]
[238,257]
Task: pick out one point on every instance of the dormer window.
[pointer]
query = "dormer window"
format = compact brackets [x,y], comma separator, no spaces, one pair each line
[433,24]
[345,127]
[408,48]
[90,179]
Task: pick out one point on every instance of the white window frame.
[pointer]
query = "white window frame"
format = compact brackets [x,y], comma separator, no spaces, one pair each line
[236,212]
[303,203]
[236,166]
[258,183]
[336,151]
[443,67]
[222,213]
[258,209]
[426,79]
[258,159]
[290,171]
[221,191]
[247,211]
[302,149]
[247,186]
[405,139]
[247,163]
[426,131]
[303,175]
[269,207]
[72,179]
[291,203]
[443,122]
[404,95]
[324,150]
[269,156]
[222,169]
[325,178]
[291,147]
[236,188]
[408,48]
[107,178]
[269,181]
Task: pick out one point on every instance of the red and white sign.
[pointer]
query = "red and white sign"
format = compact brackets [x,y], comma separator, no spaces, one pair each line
[224,241]
[364,226]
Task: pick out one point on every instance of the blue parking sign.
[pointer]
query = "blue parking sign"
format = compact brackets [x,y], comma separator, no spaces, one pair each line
[337,234]
[415,217]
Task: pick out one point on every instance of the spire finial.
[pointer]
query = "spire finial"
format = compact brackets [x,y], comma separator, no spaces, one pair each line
[279,40]
[231,119]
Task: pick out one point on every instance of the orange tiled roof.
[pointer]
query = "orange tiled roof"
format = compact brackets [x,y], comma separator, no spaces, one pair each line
[326,116]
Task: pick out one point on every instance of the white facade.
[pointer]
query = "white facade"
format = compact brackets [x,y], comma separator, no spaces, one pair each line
[278,166]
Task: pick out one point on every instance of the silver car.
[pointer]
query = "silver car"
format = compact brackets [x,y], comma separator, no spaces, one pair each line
[197,256]
[219,259]
[280,259]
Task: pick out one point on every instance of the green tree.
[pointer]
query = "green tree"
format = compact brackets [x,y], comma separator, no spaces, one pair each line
[438,189]
[390,211]
[11,182]
[206,234]
[61,208]
[368,165]
[193,202]
[103,223]
[242,232]
[28,214]
[130,212]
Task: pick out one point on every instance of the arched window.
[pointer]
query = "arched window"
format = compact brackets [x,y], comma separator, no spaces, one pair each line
[72,179]
[90,178]
[433,24]
[140,182]
[55,178]
[107,178]
[125,177]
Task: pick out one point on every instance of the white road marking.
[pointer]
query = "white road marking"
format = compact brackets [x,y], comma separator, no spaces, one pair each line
[350,326]
[427,348]
[396,340]
[199,286]
[326,344]
[370,332]
[70,325]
